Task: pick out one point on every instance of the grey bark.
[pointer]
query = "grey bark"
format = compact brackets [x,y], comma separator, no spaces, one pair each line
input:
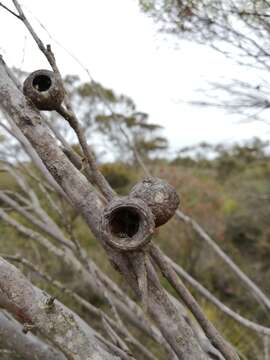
[246,281]
[33,155]
[28,346]
[222,307]
[86,201]
[95,281]
[66,330]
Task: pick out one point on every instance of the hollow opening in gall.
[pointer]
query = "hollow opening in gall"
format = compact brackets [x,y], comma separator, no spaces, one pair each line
[124,222]
[42,83]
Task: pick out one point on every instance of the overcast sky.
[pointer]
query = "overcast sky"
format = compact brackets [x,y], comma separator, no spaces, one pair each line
[122,49]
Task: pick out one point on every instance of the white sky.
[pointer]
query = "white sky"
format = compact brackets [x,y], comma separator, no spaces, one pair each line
[122,49]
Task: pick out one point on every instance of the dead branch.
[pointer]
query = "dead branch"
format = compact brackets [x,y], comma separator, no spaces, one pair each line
[118,326]
[14,339]
[85,201]
[209,329]
[54,321]
[248,283]
[222,307]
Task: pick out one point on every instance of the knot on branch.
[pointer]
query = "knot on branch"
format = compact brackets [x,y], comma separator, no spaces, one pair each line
[44,89]
[49,302]
[28,327]
[127,224]
[160,197]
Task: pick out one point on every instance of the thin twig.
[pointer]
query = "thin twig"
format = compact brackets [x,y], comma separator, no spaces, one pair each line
[211,332]
[99,179]
[115,338]
[114,349]
[266,347]
[222,307]
[255,290]
[68,114]
[10,11]
[51,229]
[119,327]
[46,50]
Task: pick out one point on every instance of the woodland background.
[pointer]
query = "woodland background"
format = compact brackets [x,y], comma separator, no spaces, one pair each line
[223,187]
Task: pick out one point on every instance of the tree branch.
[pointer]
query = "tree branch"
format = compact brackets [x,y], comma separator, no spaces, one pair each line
[10,11]
[209,329]
[14,339]
[63,327]
[205,293]
[94,311]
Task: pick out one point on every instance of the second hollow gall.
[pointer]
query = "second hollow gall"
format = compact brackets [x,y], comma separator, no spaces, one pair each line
[44,89]
[127,224]
[160,197]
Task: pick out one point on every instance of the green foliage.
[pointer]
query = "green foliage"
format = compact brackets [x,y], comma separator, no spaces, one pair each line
[142,134]
[147,5]
[243,232]
[120,176]
[234,210]
[106,115]
[239,157]
[239,30]
[175,16]
[226,160]
[92,90]
[190,17]
[7,182]
[229,206]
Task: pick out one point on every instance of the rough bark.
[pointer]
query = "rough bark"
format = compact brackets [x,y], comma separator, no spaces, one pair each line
[34,309]
[28,346]
[86,201]
[94,281]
